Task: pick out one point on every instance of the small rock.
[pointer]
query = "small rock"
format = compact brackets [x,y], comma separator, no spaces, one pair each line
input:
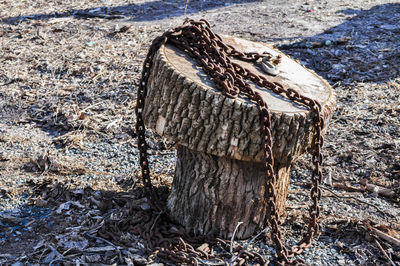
[3,157]
[92,258]
[204,247]
[145,206]
[8,218]
[63,206]
[139,259]
[129,262]
[41,202]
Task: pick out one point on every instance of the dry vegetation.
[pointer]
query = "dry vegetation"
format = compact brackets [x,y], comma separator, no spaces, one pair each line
[68,157]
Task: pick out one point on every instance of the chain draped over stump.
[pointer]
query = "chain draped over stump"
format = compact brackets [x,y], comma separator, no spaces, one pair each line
[213,55]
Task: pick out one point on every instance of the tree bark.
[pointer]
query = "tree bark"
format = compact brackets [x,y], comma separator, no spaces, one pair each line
[219,178]
[211,194]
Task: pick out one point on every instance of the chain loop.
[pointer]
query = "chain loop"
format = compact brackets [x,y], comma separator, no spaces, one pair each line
[212,54]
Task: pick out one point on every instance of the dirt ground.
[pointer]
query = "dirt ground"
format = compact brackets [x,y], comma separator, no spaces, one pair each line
[68,155]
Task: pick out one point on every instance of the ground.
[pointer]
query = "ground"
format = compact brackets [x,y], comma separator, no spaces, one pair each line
[68,155]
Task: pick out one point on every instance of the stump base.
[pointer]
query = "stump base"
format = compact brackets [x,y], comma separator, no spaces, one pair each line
[211,194]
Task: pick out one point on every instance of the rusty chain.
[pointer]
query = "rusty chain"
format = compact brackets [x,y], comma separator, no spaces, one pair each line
[168,240]
[213,55]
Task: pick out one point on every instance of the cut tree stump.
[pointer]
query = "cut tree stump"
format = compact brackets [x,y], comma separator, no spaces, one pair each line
[219,177]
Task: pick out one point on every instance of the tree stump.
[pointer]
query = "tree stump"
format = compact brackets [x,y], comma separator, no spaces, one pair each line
[219,178]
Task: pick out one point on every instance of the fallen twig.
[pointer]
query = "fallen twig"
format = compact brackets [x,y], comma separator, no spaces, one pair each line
[89,14]
[382,191]
[313,44]
[211,263]
[384,252]
[384,236]
[233,237]
[234,258]
[352,197]
[108,242]
[348,187]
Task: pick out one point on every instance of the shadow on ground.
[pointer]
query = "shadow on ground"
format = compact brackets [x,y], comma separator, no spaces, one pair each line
[69,224]
[364,48]
[59,217]
[148,11]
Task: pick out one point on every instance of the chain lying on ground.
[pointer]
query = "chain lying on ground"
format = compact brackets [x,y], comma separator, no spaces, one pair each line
[165,238]
[212,54]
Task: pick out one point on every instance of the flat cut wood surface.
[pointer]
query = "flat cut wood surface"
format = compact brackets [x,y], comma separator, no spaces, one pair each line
[291,75]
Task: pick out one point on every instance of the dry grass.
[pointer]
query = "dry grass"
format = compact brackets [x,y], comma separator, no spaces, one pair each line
[67,93]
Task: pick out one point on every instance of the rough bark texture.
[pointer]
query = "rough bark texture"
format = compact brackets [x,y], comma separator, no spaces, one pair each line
[211,194]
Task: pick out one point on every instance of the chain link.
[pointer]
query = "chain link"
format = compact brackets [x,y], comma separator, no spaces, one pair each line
[214,56]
